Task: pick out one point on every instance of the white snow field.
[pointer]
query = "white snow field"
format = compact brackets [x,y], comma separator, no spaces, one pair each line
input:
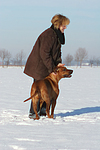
[77,114]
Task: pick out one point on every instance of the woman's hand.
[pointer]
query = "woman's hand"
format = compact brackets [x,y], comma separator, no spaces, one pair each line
[60,65]
[53,73]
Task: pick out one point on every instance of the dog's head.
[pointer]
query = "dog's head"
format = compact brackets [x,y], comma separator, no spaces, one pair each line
[63,72]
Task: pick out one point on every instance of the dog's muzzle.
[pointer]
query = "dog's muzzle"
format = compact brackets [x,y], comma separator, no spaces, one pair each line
[68,76]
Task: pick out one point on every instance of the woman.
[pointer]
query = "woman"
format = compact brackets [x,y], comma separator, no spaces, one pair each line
[46,53]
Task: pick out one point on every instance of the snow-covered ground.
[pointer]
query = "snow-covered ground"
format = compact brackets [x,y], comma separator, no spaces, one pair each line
[77,115]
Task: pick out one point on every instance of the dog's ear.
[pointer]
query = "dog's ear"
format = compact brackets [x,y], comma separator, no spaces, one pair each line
[56,69]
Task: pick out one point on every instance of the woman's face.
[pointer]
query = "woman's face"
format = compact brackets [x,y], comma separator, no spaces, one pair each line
[62,28]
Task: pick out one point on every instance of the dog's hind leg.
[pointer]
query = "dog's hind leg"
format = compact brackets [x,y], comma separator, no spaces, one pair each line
[46,99]
[35,101]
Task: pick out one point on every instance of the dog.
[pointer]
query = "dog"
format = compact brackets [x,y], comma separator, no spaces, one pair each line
[47,90]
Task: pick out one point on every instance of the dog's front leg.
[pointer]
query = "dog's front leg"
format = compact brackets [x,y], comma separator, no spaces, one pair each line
[48,108]
[52,109]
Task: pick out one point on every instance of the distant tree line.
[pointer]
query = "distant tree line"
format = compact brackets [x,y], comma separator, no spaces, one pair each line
[80,55]
[7,59]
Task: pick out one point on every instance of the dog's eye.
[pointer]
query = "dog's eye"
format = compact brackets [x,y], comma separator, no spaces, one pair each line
[64,69]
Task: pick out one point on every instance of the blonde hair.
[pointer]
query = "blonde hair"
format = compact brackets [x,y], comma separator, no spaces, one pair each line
[58,20]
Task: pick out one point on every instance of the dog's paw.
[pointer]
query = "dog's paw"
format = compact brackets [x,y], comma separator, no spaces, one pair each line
[52,117]
[37,118]
[49,116]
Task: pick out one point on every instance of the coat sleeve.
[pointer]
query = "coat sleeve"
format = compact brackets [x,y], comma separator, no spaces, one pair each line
[46,46]
[59,60]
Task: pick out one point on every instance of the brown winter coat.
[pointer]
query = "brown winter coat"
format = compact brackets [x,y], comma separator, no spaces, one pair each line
[45,55]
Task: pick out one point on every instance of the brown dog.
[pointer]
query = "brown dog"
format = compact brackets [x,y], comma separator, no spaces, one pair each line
[47,90]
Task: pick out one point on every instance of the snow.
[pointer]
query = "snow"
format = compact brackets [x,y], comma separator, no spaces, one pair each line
[77,114]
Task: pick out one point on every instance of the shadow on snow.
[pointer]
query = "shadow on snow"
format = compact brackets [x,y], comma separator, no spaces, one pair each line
[80,111]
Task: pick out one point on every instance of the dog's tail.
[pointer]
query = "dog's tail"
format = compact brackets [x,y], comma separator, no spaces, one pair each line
[31,97]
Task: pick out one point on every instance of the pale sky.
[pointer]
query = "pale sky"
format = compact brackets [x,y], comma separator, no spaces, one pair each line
[22,21]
